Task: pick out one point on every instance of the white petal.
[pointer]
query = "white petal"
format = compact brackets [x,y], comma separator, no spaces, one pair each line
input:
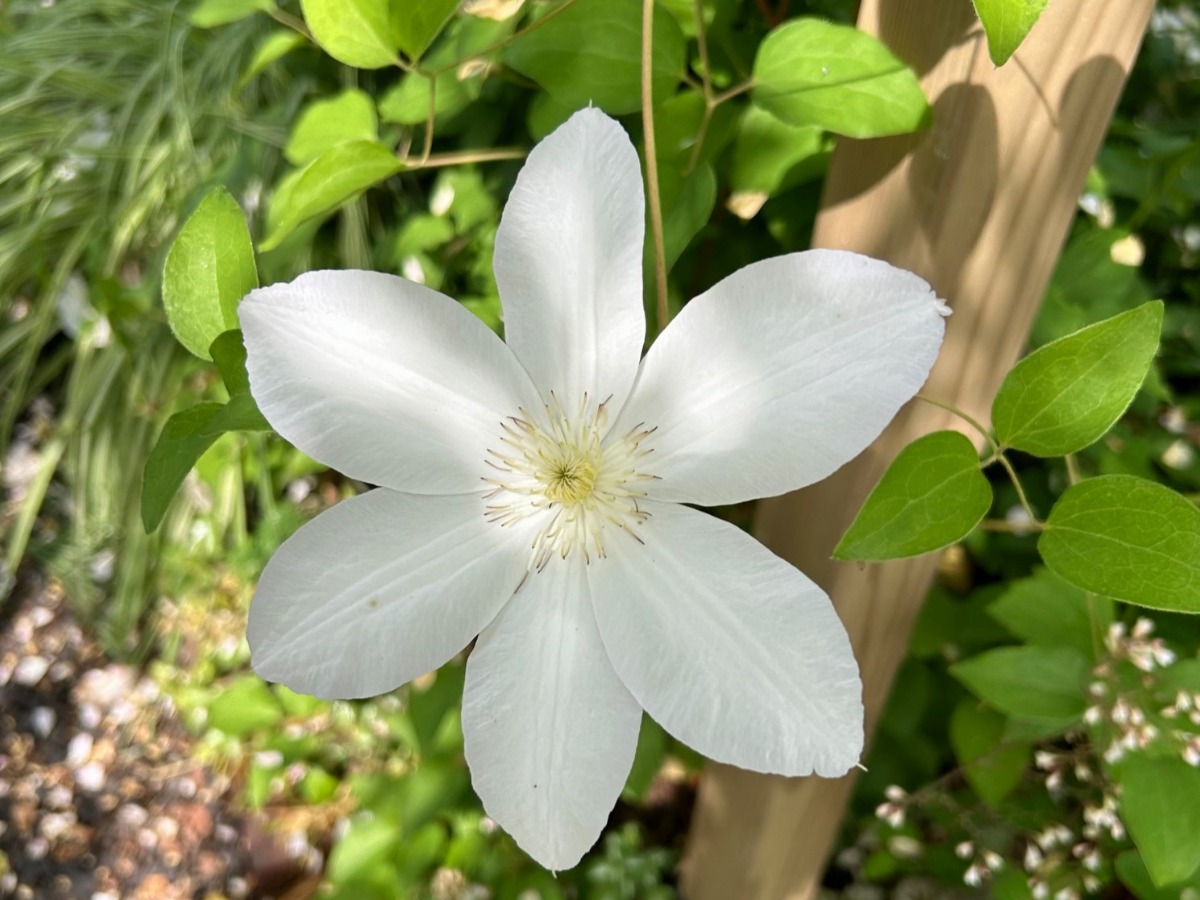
[781,373]
[569,262]
[382,379]
[380,589]
[550,731]
[728,647]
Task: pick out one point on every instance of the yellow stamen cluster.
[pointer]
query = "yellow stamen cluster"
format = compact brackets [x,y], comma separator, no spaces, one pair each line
[574,476]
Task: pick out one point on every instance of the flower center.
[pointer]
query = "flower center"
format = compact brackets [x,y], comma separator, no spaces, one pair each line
[571,480]
[574,479]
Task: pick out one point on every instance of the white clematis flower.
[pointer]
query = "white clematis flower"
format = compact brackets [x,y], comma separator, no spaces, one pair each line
[531,494]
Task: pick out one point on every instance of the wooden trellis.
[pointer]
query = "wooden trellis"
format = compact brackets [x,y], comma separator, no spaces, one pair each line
[979,205]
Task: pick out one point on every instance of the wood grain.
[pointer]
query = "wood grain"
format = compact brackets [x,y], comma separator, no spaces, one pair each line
[979,205]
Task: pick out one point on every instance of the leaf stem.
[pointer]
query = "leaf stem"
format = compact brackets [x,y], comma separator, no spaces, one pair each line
[288,20]
[1072,469]
[732,92]
[1007,527]
[656,220]
[1012,474]
[970,420]
[465,157]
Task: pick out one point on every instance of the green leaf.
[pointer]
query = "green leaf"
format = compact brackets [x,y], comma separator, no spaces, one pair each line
[993,771]
[367,841]
[1129,539]
[647,760]
[687,204]
[932,495]
[428,708]
[241,413]
[1006,22]
[275,46]
[1050,612]
[812,72]
[1039,683]
[337,175]
[1133,874]
[407,103]
[770,156]
[1069,393]
[209,269]
[229,353]
[1160,805]
[355,32]
[324,124]
[247,705]
[211,13]
[591,53]
[183,441]
[415,23]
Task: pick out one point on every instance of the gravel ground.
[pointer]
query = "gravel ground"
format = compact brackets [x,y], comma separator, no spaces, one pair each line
[100,794]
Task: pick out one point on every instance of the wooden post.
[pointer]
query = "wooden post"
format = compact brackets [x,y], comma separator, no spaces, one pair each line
[979,205]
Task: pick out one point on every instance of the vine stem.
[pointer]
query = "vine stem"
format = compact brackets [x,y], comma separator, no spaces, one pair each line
[1012,474]
[464,157]
[656,220]
[970,420]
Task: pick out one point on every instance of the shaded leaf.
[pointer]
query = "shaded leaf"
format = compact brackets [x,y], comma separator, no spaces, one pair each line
[1160,805]
[992,771]
[1038,683]
[183,441]
[415,23]
[591,53]
[1048,611]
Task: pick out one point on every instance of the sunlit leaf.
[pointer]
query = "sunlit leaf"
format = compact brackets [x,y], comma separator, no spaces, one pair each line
[1069,393]
[337,175]
[355,32]
[209,268]
[245,706]
[932,495]
[813,72]
[210,13]
[1006,23]
[1129,539]
[324,124]
[275,46]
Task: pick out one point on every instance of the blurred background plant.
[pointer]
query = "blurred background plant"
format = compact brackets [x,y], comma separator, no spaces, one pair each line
[120,115]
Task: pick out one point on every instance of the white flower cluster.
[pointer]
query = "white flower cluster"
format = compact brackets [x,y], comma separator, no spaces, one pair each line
[1135,716]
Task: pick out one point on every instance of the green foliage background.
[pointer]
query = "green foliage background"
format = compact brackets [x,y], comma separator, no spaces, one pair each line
[390,142]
